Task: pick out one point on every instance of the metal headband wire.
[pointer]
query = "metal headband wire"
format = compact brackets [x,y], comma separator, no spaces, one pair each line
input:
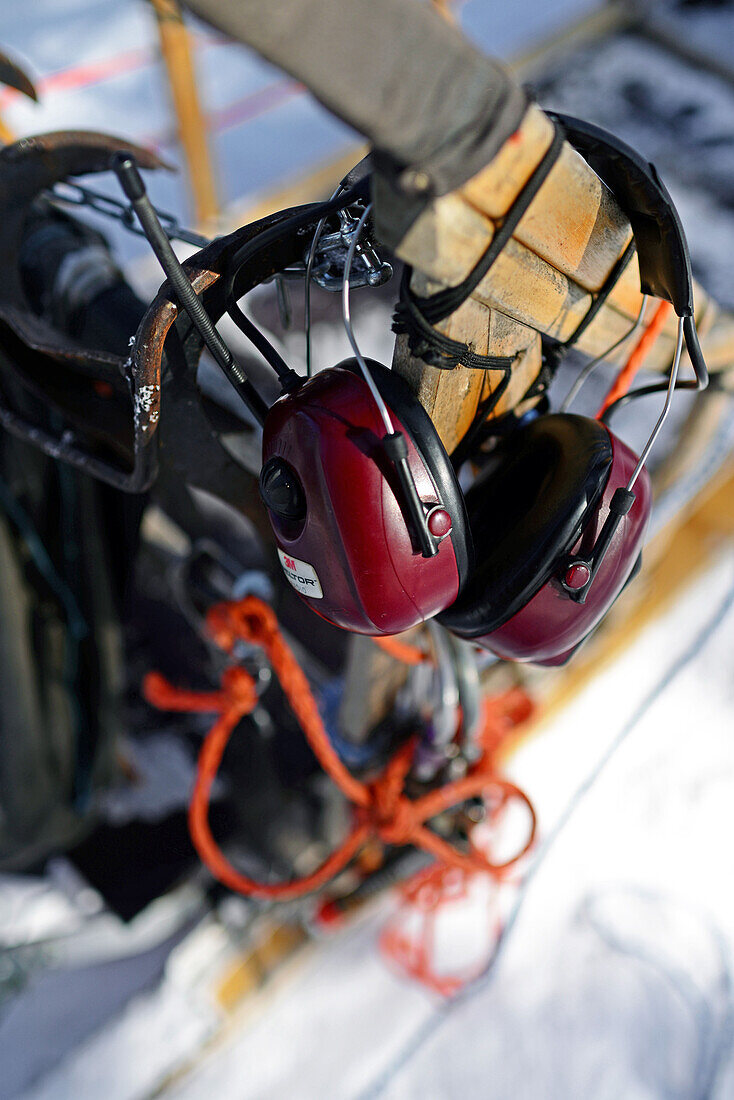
[666,408]
[591,366]
[307,288]
[347,319]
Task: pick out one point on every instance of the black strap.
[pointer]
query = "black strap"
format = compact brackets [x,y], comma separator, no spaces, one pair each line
[467,443]
[432,346]
[481,429]
[417,316]
[439,306]
[600,297]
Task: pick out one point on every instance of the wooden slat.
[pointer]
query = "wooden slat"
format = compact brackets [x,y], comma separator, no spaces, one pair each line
[571,206]
[7,137]
[177,55]
[451,397]
[507,337]
[564,248]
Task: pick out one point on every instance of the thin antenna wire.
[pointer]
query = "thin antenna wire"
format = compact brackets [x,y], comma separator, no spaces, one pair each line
[347,319]
[307,289]
[666,408]
[594,363]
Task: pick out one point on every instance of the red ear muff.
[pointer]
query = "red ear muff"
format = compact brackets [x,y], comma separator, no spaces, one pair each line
[535,512]
[335,504]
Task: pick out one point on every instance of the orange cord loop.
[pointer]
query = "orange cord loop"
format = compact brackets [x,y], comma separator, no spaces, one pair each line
[381,808]
[389,812]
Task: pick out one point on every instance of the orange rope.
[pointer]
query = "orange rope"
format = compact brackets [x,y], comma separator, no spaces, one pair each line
[381,809]
[409,939]
[639,353]
[501,715]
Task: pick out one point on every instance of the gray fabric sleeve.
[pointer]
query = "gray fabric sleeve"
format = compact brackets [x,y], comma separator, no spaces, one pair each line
[435,109]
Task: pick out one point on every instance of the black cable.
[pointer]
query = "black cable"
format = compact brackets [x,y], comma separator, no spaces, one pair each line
[305,217]
[432,346]
[599,298]
[260,341]
[482,429]
[440,305]
[697,361]
[473,438]
[645,391]
[417,316]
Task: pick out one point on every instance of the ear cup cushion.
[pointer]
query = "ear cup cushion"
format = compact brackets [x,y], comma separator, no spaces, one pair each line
[526,510]
[425,438]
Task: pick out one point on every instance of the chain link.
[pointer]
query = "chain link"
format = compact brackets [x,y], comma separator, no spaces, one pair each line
[73,194]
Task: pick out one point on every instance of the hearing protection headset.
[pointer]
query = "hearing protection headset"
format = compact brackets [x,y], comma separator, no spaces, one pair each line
[372,526]
[349,542]
[529,562]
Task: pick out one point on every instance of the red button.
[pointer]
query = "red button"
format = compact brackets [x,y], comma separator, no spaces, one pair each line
[439,523]
[577,576]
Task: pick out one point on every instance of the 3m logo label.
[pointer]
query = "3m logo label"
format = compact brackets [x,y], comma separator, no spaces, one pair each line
[302,576]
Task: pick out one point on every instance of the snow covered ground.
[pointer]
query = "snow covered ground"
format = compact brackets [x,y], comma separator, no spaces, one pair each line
[616,980]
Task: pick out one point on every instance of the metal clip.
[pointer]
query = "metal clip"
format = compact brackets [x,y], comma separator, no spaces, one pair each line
[328,263]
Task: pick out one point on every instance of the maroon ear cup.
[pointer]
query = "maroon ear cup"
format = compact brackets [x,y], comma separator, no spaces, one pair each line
[548,496]
[334,504]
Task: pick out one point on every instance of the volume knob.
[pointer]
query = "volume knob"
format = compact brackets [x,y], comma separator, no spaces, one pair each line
[281,490]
